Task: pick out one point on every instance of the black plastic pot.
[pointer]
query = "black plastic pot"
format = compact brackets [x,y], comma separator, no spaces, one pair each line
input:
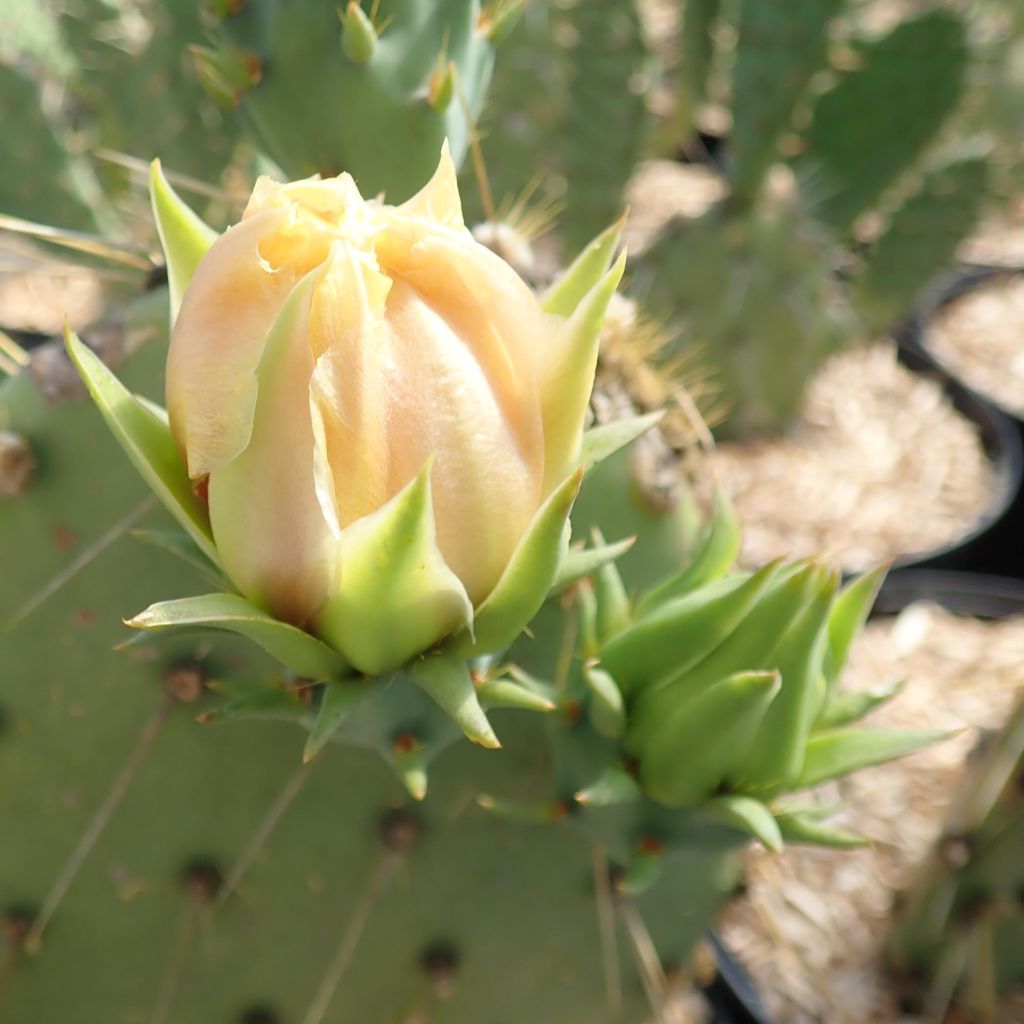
[979,549]
[730,993]
[999,547]
[984,597]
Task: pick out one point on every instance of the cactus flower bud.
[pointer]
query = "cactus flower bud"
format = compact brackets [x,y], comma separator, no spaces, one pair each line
[379,411]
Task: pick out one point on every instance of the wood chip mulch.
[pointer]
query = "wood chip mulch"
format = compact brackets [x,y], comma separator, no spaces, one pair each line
[980,337]
[880,465]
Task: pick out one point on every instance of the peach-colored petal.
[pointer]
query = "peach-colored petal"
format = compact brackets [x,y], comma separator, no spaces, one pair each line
[218,336]
[439,199]
[487,305]
[270,532]
[441,403]
[348,395]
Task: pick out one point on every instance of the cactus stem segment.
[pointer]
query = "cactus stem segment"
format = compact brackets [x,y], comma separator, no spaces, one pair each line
[143,744]
[71,570]
[264,830]
[652,974]
[17,464]
[607,932]
[380,874]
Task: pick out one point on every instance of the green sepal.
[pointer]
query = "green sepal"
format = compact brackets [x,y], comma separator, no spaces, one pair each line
[304,654]
[592,263]
[182,546]
[397,596]
[567,382]
[358,36]
[524,585]
[607,439]
[797,827]
[521,691]
[679,634]
[271,702]
[643,870]
[410,766]
[147,441]
[586,607]
[614,786]
[606,708]
[613,603]
[849,614]
[533,813]
[747,648]
[446,679]
[776,755]
[838,752]
[183,235]
[845,708]
[336,703]
[717,552]
[699,743]
[580,562]
[748,815]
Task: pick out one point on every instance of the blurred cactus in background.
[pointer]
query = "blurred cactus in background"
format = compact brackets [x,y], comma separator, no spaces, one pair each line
[958,932]
[841,141]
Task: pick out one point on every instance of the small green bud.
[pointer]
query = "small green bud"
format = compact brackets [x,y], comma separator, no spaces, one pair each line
[358,36]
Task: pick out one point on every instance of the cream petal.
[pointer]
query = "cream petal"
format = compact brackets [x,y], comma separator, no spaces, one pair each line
[348,395]
[441,402]
[439,199]
[270,532]
[219,333]
[489,306]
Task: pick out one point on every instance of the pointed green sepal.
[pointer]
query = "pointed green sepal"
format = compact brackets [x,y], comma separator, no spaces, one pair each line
[446,678]
[182,546]
[568,378]
[441,86]
[183,235]
[397,596]
[600,442]
[808,828]
[852,706]
[838,752]
[614,786]
[527,578]
[613,603]
[717,552]
[269,702]
[776,755]
[336,704]
[586,607]
[700,741]
[147,441]
[847,619]
[305,655]
[606,708]
[410,764]
[539,812]
[748,815]
[521,691]
[643,870]
[680,633]
[358,36]
[582,561]
[565,294]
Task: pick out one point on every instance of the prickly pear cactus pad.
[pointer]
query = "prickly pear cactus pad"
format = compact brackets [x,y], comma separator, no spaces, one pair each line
[316,89]
[233,813]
